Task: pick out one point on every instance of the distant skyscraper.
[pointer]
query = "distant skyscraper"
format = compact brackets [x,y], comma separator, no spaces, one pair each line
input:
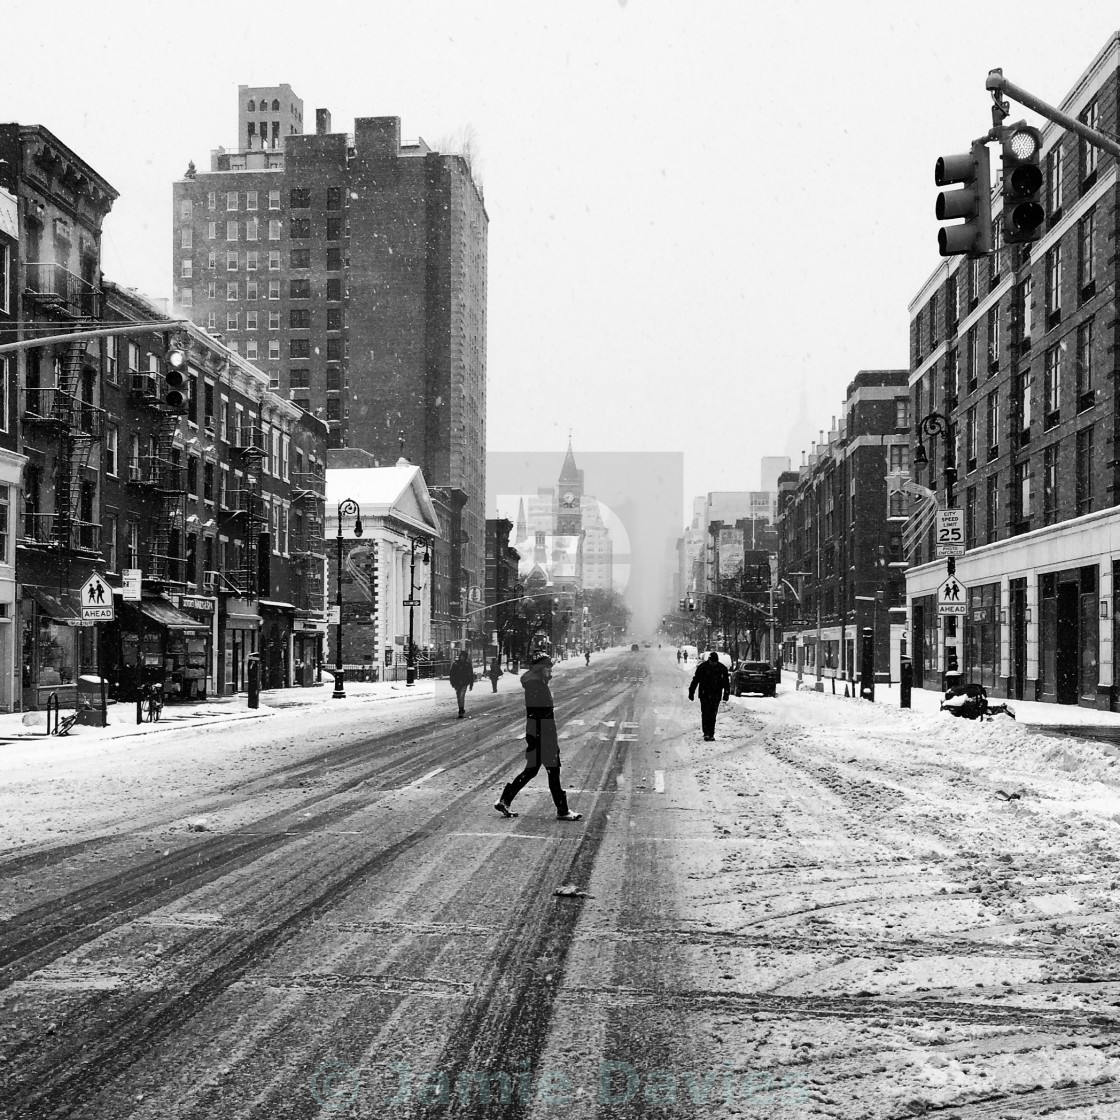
[352,269]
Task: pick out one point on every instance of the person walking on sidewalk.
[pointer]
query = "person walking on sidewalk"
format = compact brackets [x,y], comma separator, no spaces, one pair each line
[462,678]
[543,746]
[713,682]
[494,672]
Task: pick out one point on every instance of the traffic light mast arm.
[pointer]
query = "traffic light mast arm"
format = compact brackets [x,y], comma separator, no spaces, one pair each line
[997,83]
[160,327]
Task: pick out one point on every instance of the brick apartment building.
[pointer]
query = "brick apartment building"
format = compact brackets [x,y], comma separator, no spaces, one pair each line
[1019,352]
[840,537]
[352,268]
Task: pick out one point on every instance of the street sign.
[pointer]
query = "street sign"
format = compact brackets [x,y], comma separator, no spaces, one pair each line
[332,615]
[474,594]
[97,600]
[949,538]
[131,578]
[411,602]
[951,597]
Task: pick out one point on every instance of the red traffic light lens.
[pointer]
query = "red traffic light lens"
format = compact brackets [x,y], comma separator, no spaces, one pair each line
[1026,216]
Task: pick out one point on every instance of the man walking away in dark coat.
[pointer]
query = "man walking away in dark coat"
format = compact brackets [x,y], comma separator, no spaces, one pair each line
[713,682]
[462,678]
[543,746]
[494,672]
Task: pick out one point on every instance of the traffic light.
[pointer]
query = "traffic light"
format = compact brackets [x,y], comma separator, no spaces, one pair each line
[973,202]
[1023,214]
[682,606]
[175,378]
[692,604]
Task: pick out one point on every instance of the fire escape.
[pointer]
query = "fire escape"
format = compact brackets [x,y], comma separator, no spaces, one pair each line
[65,416]
[245,508]
[308,550]
[160,474]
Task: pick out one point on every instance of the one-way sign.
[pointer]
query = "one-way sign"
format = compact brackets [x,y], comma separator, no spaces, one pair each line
[951,597]
[97,600]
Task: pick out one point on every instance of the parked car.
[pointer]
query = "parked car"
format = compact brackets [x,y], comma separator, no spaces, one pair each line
[634,648]
[754,676]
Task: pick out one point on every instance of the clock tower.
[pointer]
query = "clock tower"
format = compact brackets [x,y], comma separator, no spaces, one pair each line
[569,489]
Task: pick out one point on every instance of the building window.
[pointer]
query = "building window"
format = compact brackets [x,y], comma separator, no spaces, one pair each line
[251,261]
[274,289]
[299,348]
[133,358]
[1023,386]
[932,320]
[300,379]
[334,408]
[334,349]
[1054,181]
[231,261]
[970,439]
[334,379]
[1053,284]
[334,323]
[952,380]
[186,209]
[1084,491]
[334,290]
[208,482]
[972,353]
[250,200]
[299,289]
[951,304]
[334,229]
[186,269]
[231,231]
[274,349]
[1023,489]
[251,289]
[231,321]
[300,198]
[211,318]
[186,297]
[211,260]
[1051,385]
[211,289]
[274,260]
[299,319]
[334,198]
[1090,154]
[1083,365]
[250,320]
[301,258]
[1050,485]
[274,200]
[334,260]
[274,230]
[231,200]
[992,430]
[251,349]
[993,338]
[112,435]
[970,517]
[212,200]
[299,227]
[252,229]
[186,240]
[1086,256]
[1026,294]
[998,257]
[108,540]
[231,291]
[991,514]
[274,320]
[211,230]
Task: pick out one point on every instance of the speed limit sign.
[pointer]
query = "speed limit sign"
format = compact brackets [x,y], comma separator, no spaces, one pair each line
[950,532]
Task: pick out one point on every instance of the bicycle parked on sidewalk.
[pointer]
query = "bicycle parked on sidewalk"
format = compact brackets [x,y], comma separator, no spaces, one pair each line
[152,702]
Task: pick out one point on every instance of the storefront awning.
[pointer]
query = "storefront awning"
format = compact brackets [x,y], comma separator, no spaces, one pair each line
[61,605]
[271,604]
[240,615]
[166,615]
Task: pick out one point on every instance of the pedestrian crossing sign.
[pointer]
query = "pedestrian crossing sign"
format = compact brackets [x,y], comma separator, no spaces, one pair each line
[951,597]
[97,600]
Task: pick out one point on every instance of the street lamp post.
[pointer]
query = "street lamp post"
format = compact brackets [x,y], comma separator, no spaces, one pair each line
[346,507]
[410,671]
[937,422]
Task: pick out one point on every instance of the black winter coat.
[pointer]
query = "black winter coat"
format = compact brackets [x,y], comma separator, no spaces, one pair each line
[462,674]
[711,680]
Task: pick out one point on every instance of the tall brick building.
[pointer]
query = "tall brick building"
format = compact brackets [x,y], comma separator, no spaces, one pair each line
[1020,353]
[352,268]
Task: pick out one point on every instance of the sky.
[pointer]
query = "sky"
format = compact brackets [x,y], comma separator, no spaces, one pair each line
[705,218]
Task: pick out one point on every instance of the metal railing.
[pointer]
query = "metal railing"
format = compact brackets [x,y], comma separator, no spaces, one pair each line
[45,529]
[50,283]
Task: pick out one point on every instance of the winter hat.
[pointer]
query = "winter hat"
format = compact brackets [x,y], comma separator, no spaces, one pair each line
[541,659]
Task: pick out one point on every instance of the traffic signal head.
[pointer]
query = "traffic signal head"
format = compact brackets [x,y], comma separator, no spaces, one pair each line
[973,202]
[682,605]
[175,378]
[1023,214]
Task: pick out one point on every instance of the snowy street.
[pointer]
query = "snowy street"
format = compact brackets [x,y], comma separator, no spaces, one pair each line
[836,909]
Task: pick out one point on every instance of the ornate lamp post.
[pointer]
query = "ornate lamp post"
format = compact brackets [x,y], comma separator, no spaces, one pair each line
[410,672]
[345,508]
[933,424]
